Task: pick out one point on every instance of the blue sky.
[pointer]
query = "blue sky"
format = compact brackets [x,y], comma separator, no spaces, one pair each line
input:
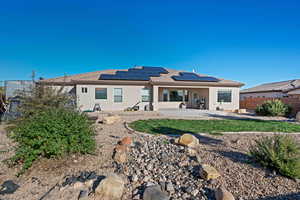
[252,41]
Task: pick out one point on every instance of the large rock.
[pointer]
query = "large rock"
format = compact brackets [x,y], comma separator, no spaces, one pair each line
[126,141]
[188,140]
[111,119]
[222,194]
[110,188]
[208,172]
[154,193]
[120,154]
[298,117]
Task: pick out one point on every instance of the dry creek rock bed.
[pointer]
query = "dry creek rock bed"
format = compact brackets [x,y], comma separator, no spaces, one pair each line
[156,160]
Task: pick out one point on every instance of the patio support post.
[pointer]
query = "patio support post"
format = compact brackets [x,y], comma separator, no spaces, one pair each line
[155,98]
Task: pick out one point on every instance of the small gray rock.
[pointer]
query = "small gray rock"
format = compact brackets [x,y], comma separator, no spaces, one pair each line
[154,193]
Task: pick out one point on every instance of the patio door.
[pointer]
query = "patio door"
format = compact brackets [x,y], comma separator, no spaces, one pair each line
[195,100]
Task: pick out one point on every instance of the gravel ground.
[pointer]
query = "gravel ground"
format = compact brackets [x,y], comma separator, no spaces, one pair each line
[226,153]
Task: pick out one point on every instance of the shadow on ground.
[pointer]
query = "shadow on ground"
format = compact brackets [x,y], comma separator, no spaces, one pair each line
[236,156]
[292,196]
[172,132]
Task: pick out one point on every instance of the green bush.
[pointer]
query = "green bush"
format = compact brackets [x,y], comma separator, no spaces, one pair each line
[279,152]
[51,134]
[273,108]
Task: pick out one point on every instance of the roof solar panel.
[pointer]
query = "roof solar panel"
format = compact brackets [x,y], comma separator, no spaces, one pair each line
[189,76]
[155,69]
[117,77]
[141,74]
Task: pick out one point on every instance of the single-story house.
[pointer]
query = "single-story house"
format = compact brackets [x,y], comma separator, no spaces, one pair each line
[273,90]
[151,88]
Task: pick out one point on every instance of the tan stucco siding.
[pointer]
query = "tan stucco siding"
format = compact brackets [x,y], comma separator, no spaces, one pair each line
[131,96]
[213,98]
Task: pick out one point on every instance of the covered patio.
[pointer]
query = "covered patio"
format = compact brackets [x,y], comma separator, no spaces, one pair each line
[181,97]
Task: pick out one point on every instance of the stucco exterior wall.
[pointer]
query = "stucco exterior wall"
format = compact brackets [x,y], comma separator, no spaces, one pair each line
[262,95]
[131,96]
[213,98]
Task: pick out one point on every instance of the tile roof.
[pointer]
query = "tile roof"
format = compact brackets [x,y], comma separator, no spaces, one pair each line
[164,78]
[283,86]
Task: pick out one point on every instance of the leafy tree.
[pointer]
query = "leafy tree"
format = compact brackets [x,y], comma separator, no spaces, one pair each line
[40,98]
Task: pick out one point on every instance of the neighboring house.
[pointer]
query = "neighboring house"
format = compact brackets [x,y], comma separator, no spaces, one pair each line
[152,88]
[273,90]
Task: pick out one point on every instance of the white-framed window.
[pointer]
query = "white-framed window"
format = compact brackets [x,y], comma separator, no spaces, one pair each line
[100,93]
[224,96]
[145,95]
[165,95]
[118,95]
[84,90]
[176,95]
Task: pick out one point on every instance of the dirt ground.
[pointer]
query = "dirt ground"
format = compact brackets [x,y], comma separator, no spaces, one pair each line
[44,174]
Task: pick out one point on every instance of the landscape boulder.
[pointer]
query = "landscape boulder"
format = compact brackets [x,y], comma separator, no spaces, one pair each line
[126,141]
[110,188]
[120,154]
[298,117]
[208,172]
[222,194]
[154,193]
[188,140]
[111,119]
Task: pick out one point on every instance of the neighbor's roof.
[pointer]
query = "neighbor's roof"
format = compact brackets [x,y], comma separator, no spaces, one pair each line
[164,79]
[283,86]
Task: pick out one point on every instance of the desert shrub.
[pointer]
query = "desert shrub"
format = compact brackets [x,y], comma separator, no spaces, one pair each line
[273,108]
[281,153]
[40,97]
[51,134]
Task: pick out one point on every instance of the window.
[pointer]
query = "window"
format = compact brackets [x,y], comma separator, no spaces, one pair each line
[145,93]
[118,95]
[100,93]
[186,95]
[224,96]
[165,95]
[176,95]
[84,90]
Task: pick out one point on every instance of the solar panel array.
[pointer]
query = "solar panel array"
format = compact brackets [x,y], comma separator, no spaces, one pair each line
[189,76]
[135,74]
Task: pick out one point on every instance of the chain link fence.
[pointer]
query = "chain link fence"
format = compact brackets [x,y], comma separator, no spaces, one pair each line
[9,100]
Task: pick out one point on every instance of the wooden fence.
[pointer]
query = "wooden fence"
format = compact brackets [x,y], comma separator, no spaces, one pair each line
[252,103]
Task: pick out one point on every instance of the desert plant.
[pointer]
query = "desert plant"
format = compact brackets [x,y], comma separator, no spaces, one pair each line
[50,134]
[280,152]
[40,97]
[273,108]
